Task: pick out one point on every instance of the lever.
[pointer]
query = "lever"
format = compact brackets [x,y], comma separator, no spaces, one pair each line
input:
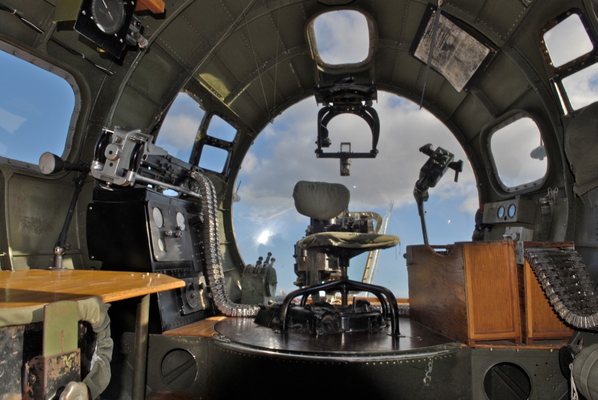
[51,164]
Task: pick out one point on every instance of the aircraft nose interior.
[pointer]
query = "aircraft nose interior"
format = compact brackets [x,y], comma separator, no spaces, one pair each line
[174,124]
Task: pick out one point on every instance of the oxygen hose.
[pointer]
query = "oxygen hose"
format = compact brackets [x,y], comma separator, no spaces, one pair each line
[212,256]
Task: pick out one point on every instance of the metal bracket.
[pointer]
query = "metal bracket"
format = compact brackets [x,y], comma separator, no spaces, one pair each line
[45,375]
[519,234]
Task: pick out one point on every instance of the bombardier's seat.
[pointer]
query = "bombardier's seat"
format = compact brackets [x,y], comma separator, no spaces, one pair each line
[324,203]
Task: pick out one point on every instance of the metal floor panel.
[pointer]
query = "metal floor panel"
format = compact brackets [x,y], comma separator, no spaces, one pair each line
[414,337]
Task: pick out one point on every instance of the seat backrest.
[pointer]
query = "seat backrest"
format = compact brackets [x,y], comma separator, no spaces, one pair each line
[320,200]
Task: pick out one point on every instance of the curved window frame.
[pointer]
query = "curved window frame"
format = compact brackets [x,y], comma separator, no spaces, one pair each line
[495,127]
[43,64]
[313,46]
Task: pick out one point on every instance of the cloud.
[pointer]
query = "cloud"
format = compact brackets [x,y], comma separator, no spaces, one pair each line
[582,87]
[179,130]
[10,122]
[180,126]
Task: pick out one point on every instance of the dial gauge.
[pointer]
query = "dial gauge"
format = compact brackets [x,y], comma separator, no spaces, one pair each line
[158,217]
[180,221]
[500,213]
[511,210]
[108,15]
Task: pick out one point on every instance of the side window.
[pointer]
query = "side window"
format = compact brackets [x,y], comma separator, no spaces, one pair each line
[180,126]
[518,153]
[36,109]
[215,148]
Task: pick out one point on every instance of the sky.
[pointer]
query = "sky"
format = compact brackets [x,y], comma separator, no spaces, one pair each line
[36,109]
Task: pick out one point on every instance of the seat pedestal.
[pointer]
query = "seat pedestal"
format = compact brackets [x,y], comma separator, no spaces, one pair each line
[349,314]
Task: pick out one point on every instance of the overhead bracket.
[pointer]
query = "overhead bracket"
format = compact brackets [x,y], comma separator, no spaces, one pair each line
[346,97]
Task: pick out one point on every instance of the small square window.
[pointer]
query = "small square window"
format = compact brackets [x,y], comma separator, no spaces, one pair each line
[221,129]
[567,41]
[518,153]
[213,158]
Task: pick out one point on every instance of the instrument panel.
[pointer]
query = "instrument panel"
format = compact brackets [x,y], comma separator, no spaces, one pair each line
[509,211]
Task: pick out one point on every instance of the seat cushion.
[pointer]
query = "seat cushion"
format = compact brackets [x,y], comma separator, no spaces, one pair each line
[348,240]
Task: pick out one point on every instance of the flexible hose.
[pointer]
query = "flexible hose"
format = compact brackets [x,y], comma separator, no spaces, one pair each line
[213,258]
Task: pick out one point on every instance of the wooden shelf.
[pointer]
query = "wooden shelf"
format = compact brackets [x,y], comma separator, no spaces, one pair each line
[203,328]
[37,287]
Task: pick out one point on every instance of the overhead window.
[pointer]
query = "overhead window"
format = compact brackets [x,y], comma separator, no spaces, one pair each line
[567,41]
[220,129]
[518,153]
[452,51]
[180,126]
[36,109]
[340,37]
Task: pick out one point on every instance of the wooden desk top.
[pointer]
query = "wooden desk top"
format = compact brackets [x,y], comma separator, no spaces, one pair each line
[38,287]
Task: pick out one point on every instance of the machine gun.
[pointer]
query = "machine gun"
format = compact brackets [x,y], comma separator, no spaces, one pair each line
[439,161]
[124,158]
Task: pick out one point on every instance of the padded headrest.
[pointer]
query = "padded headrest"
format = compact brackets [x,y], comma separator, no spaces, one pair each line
[320,200]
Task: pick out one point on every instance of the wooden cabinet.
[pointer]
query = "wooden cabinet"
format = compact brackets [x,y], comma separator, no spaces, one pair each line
[466,291]
[474,292]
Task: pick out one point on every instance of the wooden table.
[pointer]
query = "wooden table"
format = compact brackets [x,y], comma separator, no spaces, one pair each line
[29,288]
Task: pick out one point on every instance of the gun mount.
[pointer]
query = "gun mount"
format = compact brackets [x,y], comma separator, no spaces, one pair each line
[125,158]
[439,161]
[346,97]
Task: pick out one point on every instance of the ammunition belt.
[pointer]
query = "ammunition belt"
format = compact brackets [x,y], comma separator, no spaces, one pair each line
[211,252]
[567,284]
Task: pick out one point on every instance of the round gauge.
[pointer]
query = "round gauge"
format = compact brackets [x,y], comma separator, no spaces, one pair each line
[180,221]
[158,218]
[108,15]
[500,213]
[511,210]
